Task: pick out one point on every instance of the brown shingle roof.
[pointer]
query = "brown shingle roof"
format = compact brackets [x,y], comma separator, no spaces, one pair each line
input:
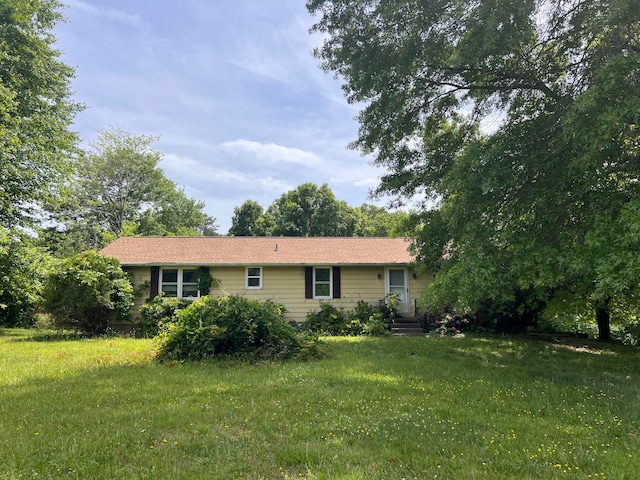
[259,251]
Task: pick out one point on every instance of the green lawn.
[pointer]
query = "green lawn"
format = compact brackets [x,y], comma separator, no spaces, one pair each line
[388,408]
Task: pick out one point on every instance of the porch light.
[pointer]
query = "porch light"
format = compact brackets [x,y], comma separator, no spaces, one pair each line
[379,276]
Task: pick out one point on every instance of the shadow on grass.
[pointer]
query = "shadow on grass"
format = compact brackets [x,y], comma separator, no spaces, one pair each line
[374,407]
[52,335]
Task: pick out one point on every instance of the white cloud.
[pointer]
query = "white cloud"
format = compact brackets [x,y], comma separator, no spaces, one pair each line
[108,13]
[272,153]
[240,105]
[370,182]
[255,61]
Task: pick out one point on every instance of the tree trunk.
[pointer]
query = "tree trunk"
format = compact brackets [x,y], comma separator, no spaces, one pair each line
[603,317]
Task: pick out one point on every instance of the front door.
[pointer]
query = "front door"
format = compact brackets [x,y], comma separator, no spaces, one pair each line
[397,284]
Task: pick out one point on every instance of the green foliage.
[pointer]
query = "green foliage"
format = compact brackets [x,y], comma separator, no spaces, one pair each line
[373,221]
[452,322]
[157,313]
[36,147]
[118,177]
[377,325]
[517,126]
[119,190]
[173,213]
[567,316]
[330,320]
[205,281]
[245,218]
[233,326]
[627,334]
[389,306]
[363,311]
[365,319]
[311,211]
[23,267]
[88,291]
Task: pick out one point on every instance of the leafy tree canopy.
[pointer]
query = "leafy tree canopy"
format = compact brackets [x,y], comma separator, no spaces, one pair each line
[310,210]
[35,109]
[23,269]
[120,190]
[518,121]
[374,221]
[243,222]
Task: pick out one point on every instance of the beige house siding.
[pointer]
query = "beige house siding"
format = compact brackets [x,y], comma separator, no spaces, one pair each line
[286,285]
[140,276]
[283,285]
[416,287]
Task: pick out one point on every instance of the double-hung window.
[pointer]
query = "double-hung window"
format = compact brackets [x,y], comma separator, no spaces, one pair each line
[253,278]
[179,282]
[322,282]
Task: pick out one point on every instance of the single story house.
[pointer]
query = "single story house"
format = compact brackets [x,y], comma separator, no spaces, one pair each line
[297,272]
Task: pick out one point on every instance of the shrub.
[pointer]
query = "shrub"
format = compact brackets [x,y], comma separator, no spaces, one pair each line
[452,322]
[87,292]
[389,306]
[330,320]
[157,313]
[627,334]
[376,326]
[233,326]
[364,311]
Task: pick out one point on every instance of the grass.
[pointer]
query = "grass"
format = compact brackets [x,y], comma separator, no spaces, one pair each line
[387,408]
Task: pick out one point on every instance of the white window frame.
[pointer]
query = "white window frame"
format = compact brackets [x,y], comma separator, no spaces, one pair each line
[180,281]
[260,278]
[315,283]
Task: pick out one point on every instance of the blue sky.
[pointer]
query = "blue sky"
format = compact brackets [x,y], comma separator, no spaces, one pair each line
[242,109]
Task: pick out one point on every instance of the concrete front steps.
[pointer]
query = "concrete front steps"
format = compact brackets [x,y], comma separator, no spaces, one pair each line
[406,326]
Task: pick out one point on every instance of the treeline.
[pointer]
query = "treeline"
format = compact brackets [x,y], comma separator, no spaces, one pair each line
[313,211]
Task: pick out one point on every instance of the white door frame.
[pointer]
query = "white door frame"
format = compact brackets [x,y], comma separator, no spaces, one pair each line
[401,290]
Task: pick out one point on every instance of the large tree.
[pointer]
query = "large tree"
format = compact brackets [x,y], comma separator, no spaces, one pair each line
[118,178]
[308,211]
[119,189]
[36,109]
[243,223]
[518,123]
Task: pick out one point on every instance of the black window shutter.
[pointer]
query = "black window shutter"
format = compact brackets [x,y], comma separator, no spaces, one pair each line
[155,277]
[204,281]
[336,282]
[308,282]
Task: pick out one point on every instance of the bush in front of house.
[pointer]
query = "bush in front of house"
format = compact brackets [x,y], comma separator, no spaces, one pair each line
[87,292]
[330,320]
[450,321]
[365,319]
[157,313]
[234,326]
